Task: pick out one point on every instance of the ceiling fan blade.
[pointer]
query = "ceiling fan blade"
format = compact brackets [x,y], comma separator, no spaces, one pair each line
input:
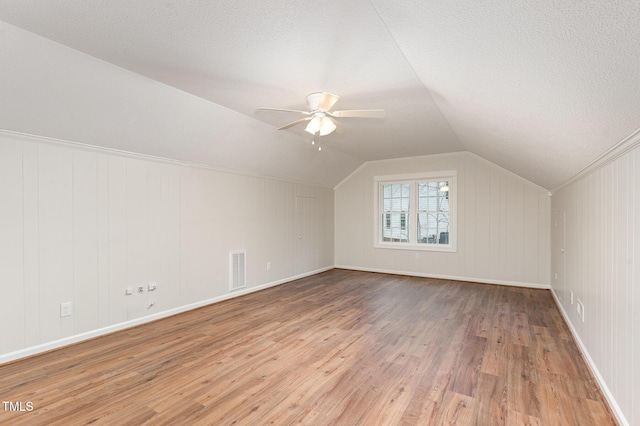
[302,120]
[363,113]
[284,110]
[327,101]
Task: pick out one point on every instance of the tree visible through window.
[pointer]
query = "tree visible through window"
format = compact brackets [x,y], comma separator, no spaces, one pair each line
[416,212]
[433,212]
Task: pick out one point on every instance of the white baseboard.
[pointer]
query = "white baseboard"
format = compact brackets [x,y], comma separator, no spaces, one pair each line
[592,366]
[447,277]
[56,344]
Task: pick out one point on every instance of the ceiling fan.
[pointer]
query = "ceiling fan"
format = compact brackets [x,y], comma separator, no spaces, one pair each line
[321,121]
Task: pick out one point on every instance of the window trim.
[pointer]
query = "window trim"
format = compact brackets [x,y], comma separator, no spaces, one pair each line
[413,178]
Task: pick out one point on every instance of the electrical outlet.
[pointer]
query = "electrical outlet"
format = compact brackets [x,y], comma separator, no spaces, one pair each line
[140,289]
[268,266]
[66,309]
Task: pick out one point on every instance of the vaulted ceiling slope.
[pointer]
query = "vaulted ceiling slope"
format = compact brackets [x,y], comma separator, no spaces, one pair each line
[540,88]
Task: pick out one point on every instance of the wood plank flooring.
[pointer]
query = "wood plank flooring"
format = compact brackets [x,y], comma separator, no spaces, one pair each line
[338,348]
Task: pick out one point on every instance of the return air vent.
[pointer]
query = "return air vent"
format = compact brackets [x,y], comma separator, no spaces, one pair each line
[237,269]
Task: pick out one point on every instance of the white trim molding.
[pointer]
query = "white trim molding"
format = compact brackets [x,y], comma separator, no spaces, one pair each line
[621,148]
[447,277]
[592,365]
[135,155]
[60,343]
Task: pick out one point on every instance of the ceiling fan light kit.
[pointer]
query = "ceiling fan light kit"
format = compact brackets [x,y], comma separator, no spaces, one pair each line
[320,121]
[321,124]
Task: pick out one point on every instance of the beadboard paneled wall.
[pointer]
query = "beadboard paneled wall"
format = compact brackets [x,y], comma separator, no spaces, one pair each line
[601,267]
[503,224]
[81,225]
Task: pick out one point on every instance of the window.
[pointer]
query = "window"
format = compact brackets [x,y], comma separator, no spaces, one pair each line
[395,206]
[416,211]
[433,212]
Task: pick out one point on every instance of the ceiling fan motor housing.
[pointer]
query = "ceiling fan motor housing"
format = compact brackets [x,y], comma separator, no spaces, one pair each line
[321,101]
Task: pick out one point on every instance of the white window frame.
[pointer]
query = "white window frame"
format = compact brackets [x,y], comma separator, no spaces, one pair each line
[413,179]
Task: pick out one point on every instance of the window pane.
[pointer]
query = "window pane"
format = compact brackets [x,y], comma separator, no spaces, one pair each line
[422,203]
[422,228]
[395,227]
[396,204]
[396,197]
[405,204]
[432,204]
[427,228]
[433,212]
[443,222]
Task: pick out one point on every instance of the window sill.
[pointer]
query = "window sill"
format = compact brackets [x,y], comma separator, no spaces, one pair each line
[447,248]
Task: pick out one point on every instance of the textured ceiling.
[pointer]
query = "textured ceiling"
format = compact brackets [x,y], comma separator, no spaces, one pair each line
[541,88]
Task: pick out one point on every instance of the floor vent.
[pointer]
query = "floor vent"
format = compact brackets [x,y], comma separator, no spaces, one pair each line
[237,269]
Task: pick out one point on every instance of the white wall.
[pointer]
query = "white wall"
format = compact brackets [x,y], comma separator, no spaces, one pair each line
[51,90]
[601,266]
[503,224]
[80,225]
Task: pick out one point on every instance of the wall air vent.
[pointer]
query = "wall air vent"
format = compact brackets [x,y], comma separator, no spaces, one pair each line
[237,269]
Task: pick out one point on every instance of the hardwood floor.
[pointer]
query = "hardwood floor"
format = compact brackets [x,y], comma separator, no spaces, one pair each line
[341,347]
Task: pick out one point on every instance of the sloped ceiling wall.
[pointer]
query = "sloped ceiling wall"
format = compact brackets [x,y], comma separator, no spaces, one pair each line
[50,90]
[540,88]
